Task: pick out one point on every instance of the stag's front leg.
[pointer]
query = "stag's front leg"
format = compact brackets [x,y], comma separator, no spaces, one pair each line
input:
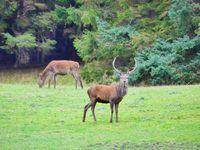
[111,109]
[93,108]
[116,111]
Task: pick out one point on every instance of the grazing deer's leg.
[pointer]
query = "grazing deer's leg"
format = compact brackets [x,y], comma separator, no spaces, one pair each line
[80,82]
[51,76]
[85,110]
[75,80]
[78,78]
[111,108]
[49,82]
[93,108]
[54,80]
[73,75]
[116,111]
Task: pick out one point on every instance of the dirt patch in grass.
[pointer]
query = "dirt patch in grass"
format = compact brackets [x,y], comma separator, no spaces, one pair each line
[149,146]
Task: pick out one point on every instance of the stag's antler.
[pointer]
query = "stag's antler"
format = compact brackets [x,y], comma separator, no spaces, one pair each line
[114,66]
[129,72]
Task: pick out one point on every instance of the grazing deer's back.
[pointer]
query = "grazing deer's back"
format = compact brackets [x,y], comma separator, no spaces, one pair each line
[63,65]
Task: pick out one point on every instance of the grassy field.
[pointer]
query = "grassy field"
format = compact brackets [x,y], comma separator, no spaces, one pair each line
[165,117]
[29,76]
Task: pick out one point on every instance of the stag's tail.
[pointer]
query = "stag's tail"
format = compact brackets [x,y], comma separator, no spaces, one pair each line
[88,92]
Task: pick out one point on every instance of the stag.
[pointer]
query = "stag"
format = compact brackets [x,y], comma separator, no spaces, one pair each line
[60,67]
[112,94]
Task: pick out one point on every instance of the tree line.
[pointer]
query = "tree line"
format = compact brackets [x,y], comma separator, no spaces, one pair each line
[163,35]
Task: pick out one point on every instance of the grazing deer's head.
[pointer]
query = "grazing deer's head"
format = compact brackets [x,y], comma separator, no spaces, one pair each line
[124,76]
[41,80]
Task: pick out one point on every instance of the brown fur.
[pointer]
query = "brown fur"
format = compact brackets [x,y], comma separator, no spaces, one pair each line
[60,67]
[112,94]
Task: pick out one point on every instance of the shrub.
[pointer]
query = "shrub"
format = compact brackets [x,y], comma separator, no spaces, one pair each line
[177,62]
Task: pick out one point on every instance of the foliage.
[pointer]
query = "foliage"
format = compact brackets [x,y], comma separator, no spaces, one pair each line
[76,16]
[25,41]
[20,45]
[174,62]
[44,22]
[3,26]
[110,40]
[97,72]
[181,13]
[67,15]
[86,46]
[103,45]
[198,30]
[7,8]
[107,42]
[101,30]
[88,17]
[47,45]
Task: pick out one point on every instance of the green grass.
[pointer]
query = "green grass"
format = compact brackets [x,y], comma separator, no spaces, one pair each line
[149,117]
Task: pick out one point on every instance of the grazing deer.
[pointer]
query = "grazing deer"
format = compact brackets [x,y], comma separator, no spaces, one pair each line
[60,67]
[112,94]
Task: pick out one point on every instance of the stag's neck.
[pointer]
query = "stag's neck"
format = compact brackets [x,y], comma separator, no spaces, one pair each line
[122,89]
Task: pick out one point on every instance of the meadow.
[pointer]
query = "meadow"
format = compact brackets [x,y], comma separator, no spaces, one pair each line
[160,117]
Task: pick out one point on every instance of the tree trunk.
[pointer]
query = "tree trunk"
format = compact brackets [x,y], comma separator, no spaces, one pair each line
[17,59]
[42,57]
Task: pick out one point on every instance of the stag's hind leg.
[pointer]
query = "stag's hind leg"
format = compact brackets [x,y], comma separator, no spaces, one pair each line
[85,110]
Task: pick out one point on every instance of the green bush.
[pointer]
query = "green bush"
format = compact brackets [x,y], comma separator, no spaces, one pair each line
[177,62]
[181,12]
[97,72]
[98,48]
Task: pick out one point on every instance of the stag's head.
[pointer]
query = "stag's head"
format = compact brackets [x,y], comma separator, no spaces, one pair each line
[40,80]
[124,76]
